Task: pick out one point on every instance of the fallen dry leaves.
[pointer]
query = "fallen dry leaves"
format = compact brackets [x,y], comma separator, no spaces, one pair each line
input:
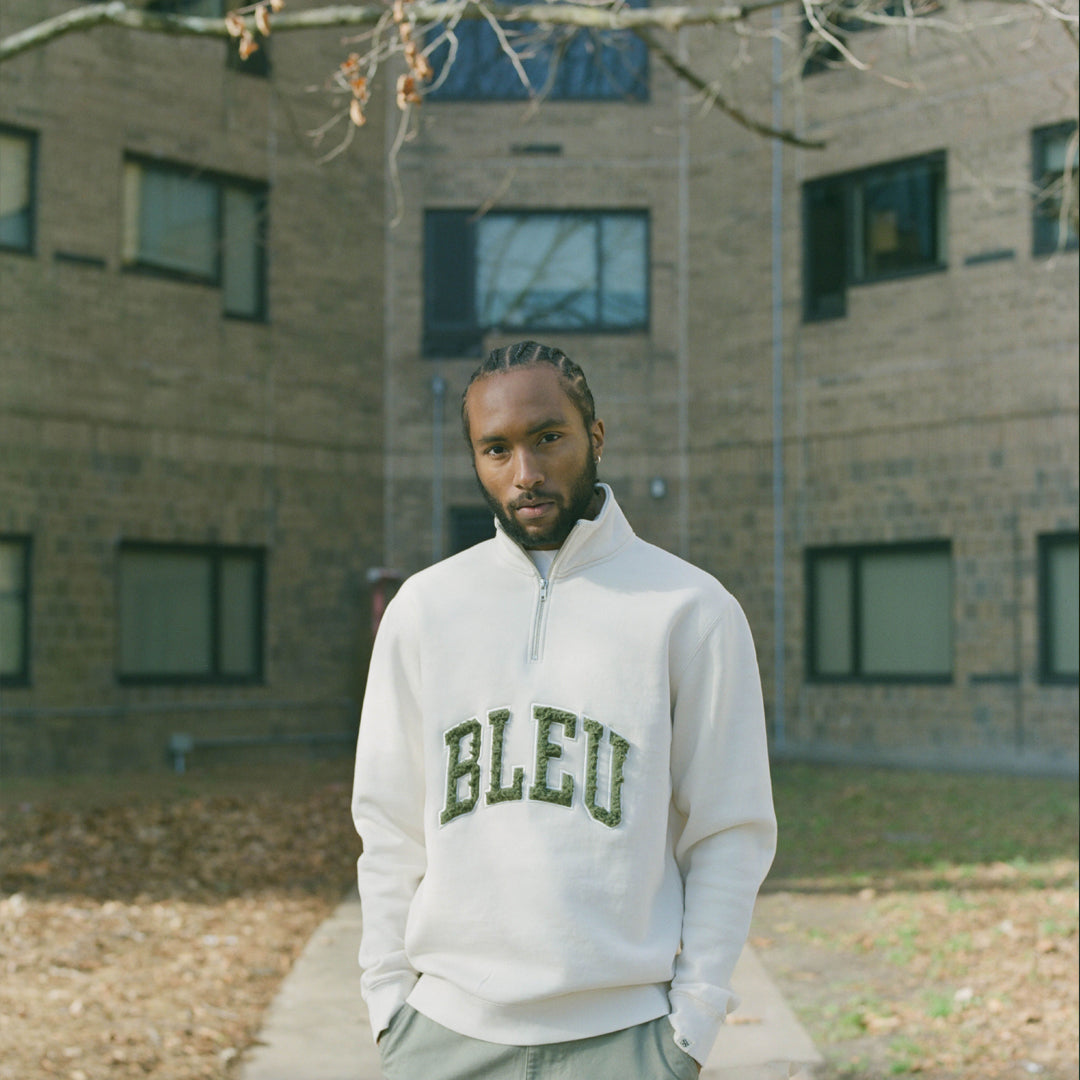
[974,978]
[146,925]
[144,930]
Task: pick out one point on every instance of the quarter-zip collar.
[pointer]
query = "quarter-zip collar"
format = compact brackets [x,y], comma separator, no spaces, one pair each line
[589,542]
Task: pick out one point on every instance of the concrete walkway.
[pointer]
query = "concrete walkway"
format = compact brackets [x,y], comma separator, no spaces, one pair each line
[317,1027]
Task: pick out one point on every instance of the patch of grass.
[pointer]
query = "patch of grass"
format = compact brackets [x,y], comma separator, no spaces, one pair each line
[938,1005]
[857,825]
[904,1054]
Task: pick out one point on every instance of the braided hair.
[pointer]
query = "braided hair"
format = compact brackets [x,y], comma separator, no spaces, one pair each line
[524,354]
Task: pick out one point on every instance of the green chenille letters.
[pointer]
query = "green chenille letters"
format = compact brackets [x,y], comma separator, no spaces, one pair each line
[496,793]
[464,744]
[460,768]
[619,749]
[546,717]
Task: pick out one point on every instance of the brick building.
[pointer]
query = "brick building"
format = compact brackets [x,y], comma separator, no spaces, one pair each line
[842,380]
[874,446]
[190,398]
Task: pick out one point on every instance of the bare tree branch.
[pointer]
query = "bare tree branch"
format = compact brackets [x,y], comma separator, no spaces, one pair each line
[399,27]
[119,13]
[668,17]
[715,98]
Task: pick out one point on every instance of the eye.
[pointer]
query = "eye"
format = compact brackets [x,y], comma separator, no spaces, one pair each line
[494,450]
[550,436]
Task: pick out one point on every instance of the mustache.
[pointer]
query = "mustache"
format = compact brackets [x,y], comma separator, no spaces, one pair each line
[532,499]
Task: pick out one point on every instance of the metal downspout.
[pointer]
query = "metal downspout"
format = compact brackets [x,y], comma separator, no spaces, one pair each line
[682,318]
[779,687]
[438,399]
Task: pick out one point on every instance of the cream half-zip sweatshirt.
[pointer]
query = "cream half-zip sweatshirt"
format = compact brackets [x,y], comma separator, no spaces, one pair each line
[562,788]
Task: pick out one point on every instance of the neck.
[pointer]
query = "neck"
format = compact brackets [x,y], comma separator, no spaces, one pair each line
[596,504]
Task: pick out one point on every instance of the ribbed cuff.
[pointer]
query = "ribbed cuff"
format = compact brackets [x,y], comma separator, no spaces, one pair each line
[696,1026]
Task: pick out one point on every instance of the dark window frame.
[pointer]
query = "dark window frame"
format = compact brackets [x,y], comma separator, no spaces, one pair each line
[258,63]
[504,85]
[1046,543]
[221,182]
[32,138]
[1045,239]
[445,336]
[844,19]
[469,525]
[216,553]
[846,193]
[22,677]
[855,553]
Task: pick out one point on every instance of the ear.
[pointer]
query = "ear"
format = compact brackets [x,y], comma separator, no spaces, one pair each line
[596,438]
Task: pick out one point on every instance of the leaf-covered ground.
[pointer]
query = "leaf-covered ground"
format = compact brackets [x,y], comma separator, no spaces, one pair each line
[146,923]
[925,923]
[919,923]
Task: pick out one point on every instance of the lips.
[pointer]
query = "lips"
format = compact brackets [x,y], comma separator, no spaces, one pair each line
[529,511]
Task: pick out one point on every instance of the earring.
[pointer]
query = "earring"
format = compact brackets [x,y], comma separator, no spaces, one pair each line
[597,460]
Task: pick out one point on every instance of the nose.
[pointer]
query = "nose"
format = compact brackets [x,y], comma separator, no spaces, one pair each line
[527,474]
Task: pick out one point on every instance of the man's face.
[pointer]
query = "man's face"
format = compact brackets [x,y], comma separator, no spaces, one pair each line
[533,456]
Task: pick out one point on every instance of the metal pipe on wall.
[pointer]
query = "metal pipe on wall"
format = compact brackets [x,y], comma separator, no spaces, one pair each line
[438,401]
[779,688]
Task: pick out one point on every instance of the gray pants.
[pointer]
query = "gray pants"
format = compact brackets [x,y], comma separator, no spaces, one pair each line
[416,1048]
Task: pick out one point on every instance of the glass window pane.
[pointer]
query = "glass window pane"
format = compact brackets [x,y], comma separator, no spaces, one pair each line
[826,247]
[12,636]
[1052,149]
[16,156]
[537,271]
[598,66]
[241,263]
[165,613]
[589,64]
[906,612]
[832,629]
[177,223]
[624,247]
[131,212]
[239,615]
[900,220]
[1063,618]
[12,608]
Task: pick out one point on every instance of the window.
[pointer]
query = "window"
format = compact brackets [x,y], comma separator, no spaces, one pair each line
[526,270]
[563,63]
[258,63]
[1059,585]
[1054,224]
[871,225]
[18,157]
[14,610]
[882,613]
[470,525]
[845,17]
[194,225]
[190,613]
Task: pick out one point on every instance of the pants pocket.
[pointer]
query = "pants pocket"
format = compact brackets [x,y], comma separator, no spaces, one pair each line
[679,1062]
[400,1022]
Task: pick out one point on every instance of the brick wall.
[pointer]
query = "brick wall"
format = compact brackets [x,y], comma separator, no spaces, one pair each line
[942,406]
[131,409]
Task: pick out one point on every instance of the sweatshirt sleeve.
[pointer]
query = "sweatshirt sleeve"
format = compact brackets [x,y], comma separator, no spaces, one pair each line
[387,808]
[722,790]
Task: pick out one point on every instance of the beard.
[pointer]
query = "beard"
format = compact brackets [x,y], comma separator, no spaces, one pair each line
[570,509]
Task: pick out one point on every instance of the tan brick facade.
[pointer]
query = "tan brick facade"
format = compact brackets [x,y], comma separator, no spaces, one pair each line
[131,409]
[942,406]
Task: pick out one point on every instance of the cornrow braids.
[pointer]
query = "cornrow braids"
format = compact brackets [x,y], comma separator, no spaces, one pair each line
[528,354]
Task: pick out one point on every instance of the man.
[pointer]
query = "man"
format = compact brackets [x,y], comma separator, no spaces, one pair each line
[561,783]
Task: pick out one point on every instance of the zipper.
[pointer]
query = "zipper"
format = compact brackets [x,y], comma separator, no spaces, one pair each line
[538,621]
